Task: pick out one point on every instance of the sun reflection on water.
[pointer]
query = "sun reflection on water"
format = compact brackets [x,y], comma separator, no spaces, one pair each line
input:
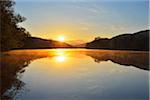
[60,58]
[60,55]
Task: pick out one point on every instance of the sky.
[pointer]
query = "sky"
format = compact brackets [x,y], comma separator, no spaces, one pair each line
[83,20]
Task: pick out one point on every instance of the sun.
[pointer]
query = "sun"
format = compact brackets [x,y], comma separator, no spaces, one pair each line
[60,58]
[61,38]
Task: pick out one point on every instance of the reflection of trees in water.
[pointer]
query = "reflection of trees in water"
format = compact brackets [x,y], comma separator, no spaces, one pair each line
[136,59]
[12,67]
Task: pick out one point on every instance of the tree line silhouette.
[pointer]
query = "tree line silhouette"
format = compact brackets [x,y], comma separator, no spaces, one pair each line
[136,41]
[12,35]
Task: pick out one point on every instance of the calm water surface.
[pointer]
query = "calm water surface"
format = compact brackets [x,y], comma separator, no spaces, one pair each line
[74,74]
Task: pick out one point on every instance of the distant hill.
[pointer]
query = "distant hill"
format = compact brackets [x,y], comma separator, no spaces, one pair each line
[135,41]
[81,45]
[77,43]
[39,43]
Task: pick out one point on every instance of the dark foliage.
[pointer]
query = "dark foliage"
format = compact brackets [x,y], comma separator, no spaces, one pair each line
[136,41]
[38,43]
[101,43]
[12,35]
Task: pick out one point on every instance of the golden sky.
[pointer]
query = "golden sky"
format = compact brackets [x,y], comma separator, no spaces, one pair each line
[78,20]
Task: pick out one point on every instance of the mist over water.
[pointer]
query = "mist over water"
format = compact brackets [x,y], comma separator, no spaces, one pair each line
[75,74]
